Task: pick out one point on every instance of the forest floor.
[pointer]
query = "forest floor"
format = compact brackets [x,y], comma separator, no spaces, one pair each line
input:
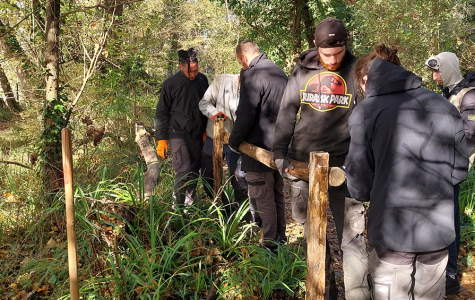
[295,230]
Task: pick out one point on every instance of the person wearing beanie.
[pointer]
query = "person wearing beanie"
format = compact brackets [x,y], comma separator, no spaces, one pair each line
[460,91]
[321,88]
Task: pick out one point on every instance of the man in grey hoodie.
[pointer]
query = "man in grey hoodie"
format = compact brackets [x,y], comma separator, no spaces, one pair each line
[460,91]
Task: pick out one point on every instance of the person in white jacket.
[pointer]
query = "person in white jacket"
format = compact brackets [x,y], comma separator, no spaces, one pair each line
[221,101]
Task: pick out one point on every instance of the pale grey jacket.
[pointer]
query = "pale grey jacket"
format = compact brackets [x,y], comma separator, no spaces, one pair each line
[221,96]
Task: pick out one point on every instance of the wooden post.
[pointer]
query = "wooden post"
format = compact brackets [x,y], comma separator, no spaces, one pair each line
[218,139]
[69,195]
[317,224]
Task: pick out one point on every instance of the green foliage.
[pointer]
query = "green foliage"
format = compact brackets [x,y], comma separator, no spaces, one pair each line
[418,28]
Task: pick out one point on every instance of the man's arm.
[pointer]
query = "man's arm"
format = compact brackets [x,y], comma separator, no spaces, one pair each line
[284,128]
[460,170]
[162,114]
[208,103]
[360,160]
[467,110]
[249,102]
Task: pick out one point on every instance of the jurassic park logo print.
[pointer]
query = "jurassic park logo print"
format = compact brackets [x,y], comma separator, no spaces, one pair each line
[325,91]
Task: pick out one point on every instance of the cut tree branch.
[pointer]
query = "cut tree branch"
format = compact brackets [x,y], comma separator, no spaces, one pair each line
[15,163]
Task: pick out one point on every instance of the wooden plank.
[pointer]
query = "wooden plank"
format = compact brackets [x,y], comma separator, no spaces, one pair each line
[317,224]
[337,175]
[70,229]
[218,139]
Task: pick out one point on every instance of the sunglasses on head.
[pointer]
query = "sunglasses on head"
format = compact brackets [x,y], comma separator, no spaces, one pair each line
[433,64]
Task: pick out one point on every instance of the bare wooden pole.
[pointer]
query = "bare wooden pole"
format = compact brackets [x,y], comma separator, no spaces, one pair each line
[337,175]
[218,139]
[69,195]
[317,224]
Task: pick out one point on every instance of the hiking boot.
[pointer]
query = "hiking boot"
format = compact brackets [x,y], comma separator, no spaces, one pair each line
[452,284]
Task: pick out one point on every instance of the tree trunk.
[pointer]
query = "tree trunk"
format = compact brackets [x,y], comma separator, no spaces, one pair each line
[17,59]
[7,92]
[53,116]
[297,6]
[308,23]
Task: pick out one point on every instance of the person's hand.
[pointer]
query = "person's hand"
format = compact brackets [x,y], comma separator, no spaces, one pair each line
[204,136]
[283,166]
[218,115]
[234,149]
[162,148]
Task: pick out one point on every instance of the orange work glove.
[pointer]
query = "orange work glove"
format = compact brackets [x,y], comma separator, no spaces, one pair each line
[204,136]
[218,115]
[162,148]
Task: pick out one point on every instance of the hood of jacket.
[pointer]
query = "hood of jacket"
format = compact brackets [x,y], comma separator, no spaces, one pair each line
[309,59]
[387,78]
[449,68]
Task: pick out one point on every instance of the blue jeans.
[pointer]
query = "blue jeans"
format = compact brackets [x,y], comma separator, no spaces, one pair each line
[454,247]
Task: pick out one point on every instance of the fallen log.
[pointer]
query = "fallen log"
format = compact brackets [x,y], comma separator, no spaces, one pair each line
[142,138]
[336,175]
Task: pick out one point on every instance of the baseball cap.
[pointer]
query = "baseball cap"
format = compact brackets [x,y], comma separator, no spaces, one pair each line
[330,33]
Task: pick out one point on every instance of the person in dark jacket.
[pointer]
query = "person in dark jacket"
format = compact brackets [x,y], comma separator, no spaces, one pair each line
[179,120]
[407,151]
[460,91]
[262,86]
[321,88]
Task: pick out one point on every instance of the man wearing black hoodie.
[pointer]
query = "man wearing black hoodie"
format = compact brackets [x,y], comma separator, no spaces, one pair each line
[321,88]
[460,91]
[262,86]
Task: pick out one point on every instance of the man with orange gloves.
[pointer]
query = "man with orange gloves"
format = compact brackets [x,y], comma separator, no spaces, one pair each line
[179,120]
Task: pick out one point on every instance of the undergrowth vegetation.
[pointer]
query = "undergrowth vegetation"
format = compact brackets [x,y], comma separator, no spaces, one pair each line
[131,248]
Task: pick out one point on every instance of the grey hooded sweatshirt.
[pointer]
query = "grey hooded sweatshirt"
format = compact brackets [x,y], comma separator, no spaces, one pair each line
[407,152]
[221,96]
[449,68]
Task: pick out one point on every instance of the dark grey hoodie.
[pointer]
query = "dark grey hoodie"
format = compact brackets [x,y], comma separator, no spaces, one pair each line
[407,152]
[325,100]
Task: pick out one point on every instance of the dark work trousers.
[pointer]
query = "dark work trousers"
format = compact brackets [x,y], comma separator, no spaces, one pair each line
[452,268]
[348,215]
[403,275]
[186,159]
[238,181]
[266,188]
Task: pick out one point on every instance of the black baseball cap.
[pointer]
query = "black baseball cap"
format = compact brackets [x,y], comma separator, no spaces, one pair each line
[330,33]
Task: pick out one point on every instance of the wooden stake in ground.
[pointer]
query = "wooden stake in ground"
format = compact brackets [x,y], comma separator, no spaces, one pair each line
[317,224]
[218,139]
[337,175]
[69,195]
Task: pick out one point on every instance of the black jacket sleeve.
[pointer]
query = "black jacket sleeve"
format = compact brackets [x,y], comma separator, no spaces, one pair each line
[360,160]
[460,170]
[467,110]
[286,119]
[162,113]
[249,104]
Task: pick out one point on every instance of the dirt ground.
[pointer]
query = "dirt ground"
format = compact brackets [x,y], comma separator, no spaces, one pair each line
[295,230]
